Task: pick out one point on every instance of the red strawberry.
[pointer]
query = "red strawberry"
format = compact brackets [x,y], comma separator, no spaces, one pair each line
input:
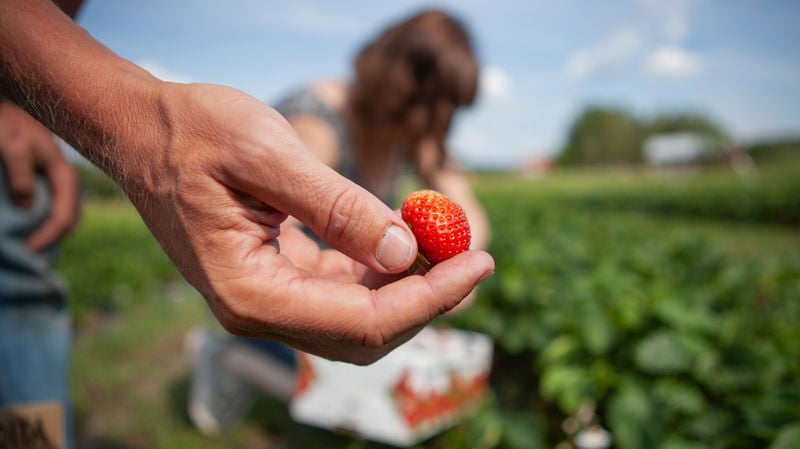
[439,225]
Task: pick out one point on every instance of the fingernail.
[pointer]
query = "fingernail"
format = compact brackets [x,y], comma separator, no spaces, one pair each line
[396,250]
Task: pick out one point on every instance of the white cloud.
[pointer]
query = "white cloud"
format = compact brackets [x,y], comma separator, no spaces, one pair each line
[651,42]
[580,66]
[163,73]
[494,83]
[672,62]
[607,56]
[654,30]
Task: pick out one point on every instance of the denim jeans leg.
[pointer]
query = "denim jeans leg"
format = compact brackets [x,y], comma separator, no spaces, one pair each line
[35,342]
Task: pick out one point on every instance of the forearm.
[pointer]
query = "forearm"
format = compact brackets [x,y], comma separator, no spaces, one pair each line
[77,87]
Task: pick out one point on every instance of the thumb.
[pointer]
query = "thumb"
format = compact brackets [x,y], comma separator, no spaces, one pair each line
[354,221]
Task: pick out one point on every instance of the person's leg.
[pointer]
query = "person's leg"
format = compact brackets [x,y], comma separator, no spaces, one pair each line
[35,343]
[218,398]
[268,365]
[227,374]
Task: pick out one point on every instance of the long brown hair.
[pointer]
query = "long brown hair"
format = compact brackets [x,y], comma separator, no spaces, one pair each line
[416,74]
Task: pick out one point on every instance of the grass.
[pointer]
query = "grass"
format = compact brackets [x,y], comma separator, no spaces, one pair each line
[128,372]
[111,259]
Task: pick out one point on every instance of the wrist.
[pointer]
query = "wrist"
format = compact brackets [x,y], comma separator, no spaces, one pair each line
[114,120]
[124,128]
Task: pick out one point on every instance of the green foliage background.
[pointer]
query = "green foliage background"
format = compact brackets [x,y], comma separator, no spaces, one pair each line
[663,307]
[673,341]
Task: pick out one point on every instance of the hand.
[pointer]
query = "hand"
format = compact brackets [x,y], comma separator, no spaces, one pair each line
[26,148]
[214,173]
[215,198]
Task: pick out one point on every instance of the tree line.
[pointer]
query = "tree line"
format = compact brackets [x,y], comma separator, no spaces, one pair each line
[603,135]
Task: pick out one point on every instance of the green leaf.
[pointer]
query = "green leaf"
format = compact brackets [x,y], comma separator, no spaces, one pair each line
[630,413]
[568,385]
[486,430]
[772,410]
[679,443]
[560,349]
[521,431]
[596,330]
[681,314]
[662,353]
[679,396]
[787,438]
[604,376]
[713,423]
[630,310]
[513,286]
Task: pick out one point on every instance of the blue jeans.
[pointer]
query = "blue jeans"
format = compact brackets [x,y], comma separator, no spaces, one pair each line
[35,328]
[35,342]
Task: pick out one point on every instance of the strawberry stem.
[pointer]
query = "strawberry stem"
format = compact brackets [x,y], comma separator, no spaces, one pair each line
[421,265]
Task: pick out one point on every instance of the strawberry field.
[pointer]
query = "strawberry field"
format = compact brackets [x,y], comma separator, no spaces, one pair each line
[610,310]
[663,308]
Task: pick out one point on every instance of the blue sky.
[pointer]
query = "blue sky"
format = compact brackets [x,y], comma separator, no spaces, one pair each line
[737,61]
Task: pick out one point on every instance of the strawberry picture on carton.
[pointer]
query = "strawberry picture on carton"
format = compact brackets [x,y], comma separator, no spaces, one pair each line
[429,408]
[422,388]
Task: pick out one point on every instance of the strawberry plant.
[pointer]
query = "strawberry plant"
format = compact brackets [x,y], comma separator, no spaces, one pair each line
[665,338]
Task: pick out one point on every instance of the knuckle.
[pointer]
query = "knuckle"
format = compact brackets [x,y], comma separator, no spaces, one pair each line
[342,216]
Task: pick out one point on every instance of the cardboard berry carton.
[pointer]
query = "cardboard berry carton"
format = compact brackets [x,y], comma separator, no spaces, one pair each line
[421,388]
